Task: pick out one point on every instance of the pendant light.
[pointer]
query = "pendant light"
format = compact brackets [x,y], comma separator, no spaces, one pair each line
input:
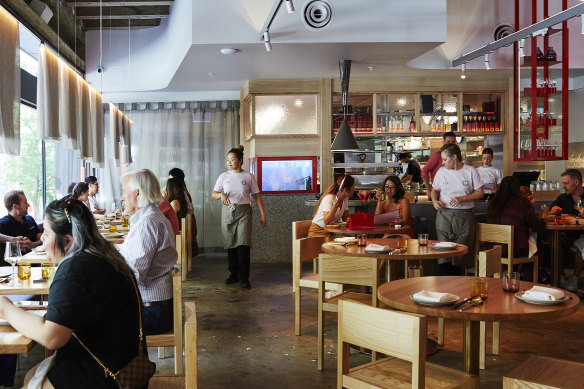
[345,140]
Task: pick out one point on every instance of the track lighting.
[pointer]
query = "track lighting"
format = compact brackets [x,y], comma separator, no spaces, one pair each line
[267,41]
[487,64]
[463,71]
[290,6]
[521,48]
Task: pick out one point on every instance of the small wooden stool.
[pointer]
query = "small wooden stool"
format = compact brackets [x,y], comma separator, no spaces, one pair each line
[545,373]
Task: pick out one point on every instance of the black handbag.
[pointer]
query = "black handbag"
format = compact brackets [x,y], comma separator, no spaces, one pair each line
[137,373]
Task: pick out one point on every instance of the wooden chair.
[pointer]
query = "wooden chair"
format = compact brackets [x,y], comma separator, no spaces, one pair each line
[402,337]
[503,234]
[187,245]
[340,269]
[173,337]
[545,373]
[304,249]
[488,264]
[180,250]
[188,380]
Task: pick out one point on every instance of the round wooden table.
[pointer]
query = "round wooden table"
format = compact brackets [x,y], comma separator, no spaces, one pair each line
[500,306]
[555,244]
[414,252]
[380,229]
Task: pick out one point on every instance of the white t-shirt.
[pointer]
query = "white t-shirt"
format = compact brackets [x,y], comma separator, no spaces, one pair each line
[455,183]
[237,186]
[93,204]
[490,176]
[325,206]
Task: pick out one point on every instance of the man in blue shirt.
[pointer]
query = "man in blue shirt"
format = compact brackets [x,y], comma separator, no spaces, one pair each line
[18,224]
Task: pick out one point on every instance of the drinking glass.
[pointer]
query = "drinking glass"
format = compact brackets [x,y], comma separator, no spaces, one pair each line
[579,206]
[12,255]
[422,239]
[23,270]
[475,287]
[484,287]
[402,243]
[362,240]
[510,282]
[113,228]
[47,270]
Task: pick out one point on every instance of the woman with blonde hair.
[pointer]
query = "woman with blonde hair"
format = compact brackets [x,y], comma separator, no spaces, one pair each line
[333,205]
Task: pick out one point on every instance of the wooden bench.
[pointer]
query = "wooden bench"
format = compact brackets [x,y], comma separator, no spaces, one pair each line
[188,380]
[545,373]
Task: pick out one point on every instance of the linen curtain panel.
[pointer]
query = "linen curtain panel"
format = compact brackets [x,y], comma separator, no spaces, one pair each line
[195,138]
[9,84]
[69,110]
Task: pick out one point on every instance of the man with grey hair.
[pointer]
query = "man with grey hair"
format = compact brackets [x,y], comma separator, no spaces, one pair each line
[149,248]
[17,225]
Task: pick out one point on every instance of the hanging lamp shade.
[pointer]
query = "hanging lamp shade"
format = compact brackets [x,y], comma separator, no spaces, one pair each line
[345,140]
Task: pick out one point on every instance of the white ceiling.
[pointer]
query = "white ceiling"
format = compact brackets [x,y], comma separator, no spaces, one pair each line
[383,38]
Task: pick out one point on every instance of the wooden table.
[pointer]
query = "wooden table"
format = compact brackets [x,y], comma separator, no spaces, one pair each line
[380,229]
[555,244]
[414,252]
[35,285]
[500,306]
[13,342]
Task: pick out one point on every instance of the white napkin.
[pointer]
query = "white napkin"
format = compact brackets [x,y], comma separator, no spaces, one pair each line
[376,248]
[434,297]
[544,294]
[347,239]
[445,245]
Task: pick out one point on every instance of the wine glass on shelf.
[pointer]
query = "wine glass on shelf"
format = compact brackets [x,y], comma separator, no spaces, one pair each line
[12,255]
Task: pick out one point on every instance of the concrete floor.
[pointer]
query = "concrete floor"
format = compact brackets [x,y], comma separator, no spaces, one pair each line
[246,337]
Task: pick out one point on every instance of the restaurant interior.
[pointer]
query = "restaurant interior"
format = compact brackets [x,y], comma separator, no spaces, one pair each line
[315,90]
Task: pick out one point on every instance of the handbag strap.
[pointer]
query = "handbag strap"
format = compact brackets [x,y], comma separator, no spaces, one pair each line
[141,336]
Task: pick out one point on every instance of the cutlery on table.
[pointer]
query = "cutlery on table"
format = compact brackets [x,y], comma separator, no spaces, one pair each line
[460,303]
[474,302]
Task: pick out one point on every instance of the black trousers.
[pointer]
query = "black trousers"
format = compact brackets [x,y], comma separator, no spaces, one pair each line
[238,262]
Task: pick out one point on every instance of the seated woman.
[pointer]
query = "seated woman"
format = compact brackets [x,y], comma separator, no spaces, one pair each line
[92,296]
[510,207]
[392,198]
[175,195]
[81,193]
[333,205]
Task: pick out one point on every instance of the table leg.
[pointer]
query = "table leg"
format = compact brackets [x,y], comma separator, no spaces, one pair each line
[555,265]
[471,346]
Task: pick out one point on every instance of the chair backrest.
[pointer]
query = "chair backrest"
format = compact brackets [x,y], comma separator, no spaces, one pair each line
[398,334]
[300,229]
[348,270]
[190,378]
[179,251]
[495,233]
[186,227]
[177,309]
[489,262]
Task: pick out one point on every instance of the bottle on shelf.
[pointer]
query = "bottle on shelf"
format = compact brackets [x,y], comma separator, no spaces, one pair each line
[412,124]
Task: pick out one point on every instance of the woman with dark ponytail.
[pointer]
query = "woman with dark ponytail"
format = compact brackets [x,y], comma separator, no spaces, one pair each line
[333,205]
[234,188]
[92,298]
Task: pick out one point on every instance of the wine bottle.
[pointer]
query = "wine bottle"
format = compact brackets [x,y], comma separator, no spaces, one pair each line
[412,124]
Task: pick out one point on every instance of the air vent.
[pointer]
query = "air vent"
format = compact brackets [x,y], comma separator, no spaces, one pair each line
[317,14]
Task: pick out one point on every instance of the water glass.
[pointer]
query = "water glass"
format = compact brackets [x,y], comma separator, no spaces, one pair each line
[510,282]
[422,239]
[113,228]
[24,270]
[402,243]
[362,240]
[47,270]
[484,286]
[125,221]
[479,287]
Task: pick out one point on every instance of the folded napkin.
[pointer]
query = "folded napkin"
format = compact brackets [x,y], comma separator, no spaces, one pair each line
[376,248]
[347,239]
[445,245]
[544,294]
[434,297]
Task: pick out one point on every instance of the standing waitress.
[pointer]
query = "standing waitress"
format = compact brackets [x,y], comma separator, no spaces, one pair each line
[233,188]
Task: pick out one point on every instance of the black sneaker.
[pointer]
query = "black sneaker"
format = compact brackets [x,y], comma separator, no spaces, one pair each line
[245,285]
[231,280]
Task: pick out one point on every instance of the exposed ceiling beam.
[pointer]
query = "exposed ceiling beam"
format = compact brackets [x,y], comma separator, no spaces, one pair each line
[121,17]
[118,3]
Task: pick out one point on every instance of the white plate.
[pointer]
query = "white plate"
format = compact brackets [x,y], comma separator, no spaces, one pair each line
[454,299]
[433,245]
[519,295]
[40,312]
[345,240]
[112,235]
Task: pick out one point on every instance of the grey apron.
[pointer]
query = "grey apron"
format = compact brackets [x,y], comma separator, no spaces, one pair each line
[236,226]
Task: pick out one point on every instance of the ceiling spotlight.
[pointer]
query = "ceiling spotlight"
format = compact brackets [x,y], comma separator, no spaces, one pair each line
[487,64]
[267,41]
[228,51]
[290,6]
[463,71]
[521,47]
